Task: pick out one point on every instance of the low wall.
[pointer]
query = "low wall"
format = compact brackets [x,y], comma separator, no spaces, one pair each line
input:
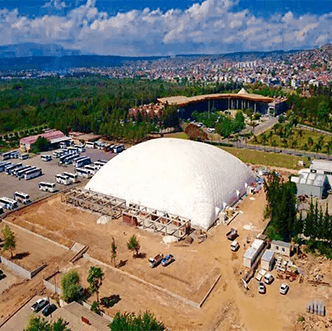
[16,268]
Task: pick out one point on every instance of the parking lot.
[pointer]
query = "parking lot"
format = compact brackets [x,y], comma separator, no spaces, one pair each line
[10,184]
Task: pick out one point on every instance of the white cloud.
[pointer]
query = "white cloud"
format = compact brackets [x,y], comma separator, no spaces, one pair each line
[56,4]
[210,26]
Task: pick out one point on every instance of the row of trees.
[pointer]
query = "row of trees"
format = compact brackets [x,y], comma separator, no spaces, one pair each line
[121,322]
[281,208]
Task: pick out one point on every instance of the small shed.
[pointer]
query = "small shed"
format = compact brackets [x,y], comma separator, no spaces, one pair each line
[267,260]
[281,247]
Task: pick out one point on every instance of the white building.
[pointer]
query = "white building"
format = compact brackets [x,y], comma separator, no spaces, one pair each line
[322,167]
[181,177]
[267,260]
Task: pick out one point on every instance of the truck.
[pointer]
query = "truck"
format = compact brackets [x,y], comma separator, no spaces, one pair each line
[154,261]
[231,235]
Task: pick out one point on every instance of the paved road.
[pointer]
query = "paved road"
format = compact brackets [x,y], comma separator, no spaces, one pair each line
[265,125]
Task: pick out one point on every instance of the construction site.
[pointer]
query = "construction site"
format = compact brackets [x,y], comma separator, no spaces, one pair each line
[207,286]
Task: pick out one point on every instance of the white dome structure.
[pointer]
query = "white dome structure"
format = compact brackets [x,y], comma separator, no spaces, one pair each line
[180,177]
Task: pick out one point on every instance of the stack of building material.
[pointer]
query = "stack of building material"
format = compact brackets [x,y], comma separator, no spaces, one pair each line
[316,307]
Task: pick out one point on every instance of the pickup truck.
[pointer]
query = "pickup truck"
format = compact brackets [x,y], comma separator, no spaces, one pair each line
[231,235]
[154,261]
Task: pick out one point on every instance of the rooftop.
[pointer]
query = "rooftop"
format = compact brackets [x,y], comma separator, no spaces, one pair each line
[73,313]
[48,135]
[184,101]
[281,243]
[309,178]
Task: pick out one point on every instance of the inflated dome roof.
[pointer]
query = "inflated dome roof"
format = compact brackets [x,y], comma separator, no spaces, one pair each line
[181,177]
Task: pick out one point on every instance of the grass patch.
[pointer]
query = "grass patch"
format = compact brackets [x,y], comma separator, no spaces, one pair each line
[180,135]
[265,158]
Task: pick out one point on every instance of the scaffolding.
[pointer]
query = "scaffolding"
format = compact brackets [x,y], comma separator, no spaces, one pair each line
[96,202]
[158,221]
[134,215]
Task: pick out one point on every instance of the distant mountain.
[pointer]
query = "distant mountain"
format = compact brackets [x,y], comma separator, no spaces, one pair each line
[33,49]
[60,63]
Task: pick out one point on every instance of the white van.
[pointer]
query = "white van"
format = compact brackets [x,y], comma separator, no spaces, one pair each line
[235,246]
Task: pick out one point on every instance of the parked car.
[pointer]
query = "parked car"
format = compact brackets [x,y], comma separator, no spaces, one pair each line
[231,235]
[268,279]
[235,246]
[154,261]
[39,304]
[49,309]
[167,260]
[284,288]
[261,288]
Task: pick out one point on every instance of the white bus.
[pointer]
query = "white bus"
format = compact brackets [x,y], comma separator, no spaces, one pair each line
[3,165]
[91,168]
[24,156]
[62,179]
[100,163]
[10,169]
[69,159]
[82,162]
[33,173]
[80,148]
[73,150]
[73,177]
[47,187]
[89,144]
[14,154]
[57,154]
[9,204]
[20,173]
[22,198]
[6,156]
[46,157]
[84,172]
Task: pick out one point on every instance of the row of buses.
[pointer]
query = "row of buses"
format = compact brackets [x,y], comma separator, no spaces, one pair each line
[10,204]
[14,155]
[20,170]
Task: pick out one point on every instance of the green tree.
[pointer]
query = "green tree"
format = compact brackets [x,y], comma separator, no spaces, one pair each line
[264,138]
[41,144]
[9,240]
[38,323]
[310,142]
[70,285]
[131,322]
[133,245]
[114,251]
[95,280]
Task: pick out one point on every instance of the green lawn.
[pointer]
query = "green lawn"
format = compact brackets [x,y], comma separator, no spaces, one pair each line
[301,142]
[265,158]
[180,135]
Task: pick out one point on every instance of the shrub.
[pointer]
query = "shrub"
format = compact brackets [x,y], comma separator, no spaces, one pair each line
[95,308]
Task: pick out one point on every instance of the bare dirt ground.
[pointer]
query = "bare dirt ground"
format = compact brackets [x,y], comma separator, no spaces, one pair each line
[195,268]
[32,251]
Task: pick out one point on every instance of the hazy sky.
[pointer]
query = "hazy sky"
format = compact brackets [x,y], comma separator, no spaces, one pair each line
[152,27]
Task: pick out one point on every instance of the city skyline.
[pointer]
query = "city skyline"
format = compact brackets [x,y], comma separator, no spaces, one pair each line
[157,28]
